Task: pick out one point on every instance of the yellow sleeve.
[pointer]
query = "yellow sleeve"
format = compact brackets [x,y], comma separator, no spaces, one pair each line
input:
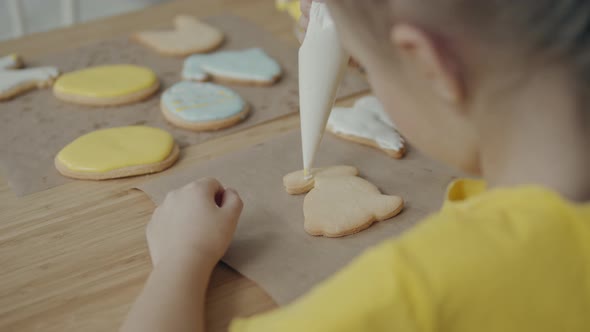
[377,292]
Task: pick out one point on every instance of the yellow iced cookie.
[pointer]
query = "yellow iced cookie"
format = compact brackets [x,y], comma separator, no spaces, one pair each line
[107,85]
[117,152]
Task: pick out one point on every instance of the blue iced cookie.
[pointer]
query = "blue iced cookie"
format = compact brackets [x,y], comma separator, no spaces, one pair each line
[202,106]
[250,66]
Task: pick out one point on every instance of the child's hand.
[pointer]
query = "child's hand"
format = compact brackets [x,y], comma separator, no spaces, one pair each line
[305,8]
[194,224]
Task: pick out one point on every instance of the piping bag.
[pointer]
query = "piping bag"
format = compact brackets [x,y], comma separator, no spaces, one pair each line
[322,64]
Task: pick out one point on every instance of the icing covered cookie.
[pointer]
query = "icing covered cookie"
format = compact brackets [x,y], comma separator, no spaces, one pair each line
[11,61]
[189,36]
[367,123]
[117,152]
[250,66]
[343,205]
[296,183]
[15,81]
[107,85]
[202,106]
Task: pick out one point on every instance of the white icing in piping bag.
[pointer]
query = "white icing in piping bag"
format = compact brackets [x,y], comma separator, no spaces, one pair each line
[322,64]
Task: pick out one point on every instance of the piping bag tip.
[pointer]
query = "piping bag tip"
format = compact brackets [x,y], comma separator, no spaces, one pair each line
[307,174]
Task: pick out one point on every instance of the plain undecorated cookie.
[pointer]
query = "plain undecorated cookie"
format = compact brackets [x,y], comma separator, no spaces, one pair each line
[14,81]
[250,66]
[189,36]
[343,205]
[295,183]
[368,124]
[202,106]
[117,153]
[338,202]
[108,85]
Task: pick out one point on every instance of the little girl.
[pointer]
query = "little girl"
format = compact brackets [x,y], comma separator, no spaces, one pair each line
[498,88]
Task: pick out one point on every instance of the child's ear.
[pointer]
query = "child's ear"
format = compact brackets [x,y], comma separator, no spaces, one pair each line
[437,66]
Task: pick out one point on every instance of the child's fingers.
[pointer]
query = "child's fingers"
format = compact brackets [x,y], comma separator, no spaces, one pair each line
[303,22]
[231,202]
[207,186]
[304,19]
[305,6]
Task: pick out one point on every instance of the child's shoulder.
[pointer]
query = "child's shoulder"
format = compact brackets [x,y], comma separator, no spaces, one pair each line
[501,228]
[503,248]
[517,215]
[509,209]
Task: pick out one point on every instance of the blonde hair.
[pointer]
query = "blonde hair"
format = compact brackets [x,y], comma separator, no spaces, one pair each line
[551,30]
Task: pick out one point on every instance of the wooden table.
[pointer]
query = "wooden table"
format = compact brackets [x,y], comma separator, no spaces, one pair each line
[74,257]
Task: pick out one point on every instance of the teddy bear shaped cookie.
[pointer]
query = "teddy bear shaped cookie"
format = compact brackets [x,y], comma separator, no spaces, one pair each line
[339,203]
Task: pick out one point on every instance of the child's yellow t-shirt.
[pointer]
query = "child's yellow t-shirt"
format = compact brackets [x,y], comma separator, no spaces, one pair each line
[515,259]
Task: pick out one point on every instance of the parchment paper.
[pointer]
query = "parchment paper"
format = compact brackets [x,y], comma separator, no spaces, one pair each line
[270,246]
[34,127]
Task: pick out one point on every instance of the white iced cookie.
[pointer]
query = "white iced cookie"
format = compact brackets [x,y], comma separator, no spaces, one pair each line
[11,61]
[251,66]
[367,123]
[340,203]
[189,36]
[15,81]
